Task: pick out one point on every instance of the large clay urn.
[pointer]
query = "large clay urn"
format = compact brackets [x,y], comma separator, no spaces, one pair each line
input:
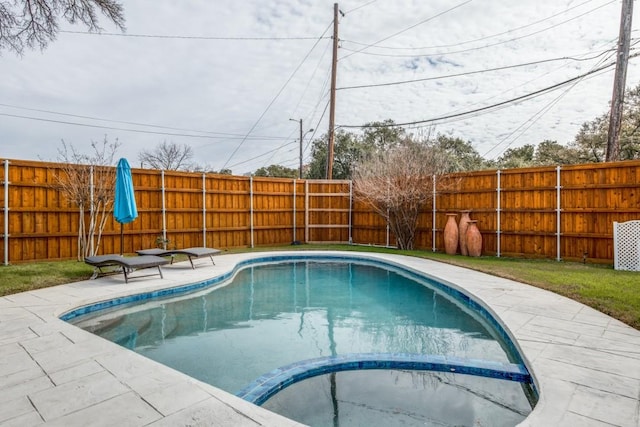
[474,239]
[451,234]
[462,231]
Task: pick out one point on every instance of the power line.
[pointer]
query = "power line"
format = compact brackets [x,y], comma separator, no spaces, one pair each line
[565,58]
[475,48]
[224,135]
[40,119]
[408,28]
[177,37]
[524,84]
[533,119]
[489,107]
[478,39]
[359,7]
[262,155]
[275,97]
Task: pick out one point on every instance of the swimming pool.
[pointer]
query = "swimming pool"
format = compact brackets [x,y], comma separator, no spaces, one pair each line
[276,314]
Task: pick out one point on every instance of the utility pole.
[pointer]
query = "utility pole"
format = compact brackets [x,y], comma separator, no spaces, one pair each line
[301,136]
[299,170]
[619,82]
[332,102]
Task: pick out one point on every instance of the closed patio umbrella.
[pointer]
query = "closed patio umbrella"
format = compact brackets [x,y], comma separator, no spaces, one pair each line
[124,205]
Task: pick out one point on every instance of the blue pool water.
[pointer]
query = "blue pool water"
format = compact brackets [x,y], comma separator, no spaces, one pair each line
[278,314]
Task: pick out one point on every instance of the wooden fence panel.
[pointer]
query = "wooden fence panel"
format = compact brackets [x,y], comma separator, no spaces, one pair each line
[183,204]
[593,197]
[329,208]
[228,211]
[518,211]
[369,228]
[475,192]
[42,224]
[273,211]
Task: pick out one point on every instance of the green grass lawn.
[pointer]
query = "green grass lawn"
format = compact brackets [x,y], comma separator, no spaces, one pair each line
[616,293]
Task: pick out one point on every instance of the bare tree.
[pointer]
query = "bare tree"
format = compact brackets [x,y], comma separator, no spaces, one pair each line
[167,156]
[31,23]
[398,183]
[88,181]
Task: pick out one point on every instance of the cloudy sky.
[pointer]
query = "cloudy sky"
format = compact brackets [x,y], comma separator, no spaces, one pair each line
[225,77]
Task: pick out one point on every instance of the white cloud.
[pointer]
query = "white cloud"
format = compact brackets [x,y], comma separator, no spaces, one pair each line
[225,86]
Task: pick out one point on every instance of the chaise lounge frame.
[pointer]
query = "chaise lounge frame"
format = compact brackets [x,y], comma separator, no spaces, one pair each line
[195,252]
[126,265]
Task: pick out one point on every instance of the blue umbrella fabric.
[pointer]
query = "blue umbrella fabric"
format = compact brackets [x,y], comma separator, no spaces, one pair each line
[124,205]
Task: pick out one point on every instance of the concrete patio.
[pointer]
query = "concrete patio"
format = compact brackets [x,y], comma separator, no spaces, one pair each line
[586,364]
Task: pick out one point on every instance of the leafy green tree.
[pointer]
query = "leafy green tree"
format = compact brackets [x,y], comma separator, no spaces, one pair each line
[381,136]
[317,167]
[347,150]
[461,156]
[550,153]
[350,148]
[520,157]
[591,141]
[277,171]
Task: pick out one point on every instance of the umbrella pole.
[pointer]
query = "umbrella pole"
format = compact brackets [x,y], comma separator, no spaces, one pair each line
[121,240]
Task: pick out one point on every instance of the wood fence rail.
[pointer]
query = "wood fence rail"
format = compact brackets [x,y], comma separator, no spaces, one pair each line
[551,212]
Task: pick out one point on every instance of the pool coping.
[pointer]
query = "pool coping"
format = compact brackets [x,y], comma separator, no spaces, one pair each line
[586,365]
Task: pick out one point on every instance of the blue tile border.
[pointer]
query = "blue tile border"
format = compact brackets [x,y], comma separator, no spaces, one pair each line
[271,383]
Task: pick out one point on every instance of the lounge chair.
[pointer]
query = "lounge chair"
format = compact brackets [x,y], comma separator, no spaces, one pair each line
[191,253]
[127,264]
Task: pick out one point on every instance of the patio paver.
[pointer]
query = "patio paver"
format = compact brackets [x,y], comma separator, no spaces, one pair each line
[586,364]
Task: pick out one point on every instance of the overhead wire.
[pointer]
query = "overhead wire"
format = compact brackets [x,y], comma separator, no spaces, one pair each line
[311,78]
[533,119]
[540,113]
[223,135]
[124,129]
[480,38]
[276,96]
[478,47]
[431,18]
[360,7]
[323,94]
[305,148]
[261,155]
[467,73]
[493,106]
[530,80]
[178,37]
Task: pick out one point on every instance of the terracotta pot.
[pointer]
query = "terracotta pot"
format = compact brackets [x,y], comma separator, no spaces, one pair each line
[462,231]
[474,239]
[451,234]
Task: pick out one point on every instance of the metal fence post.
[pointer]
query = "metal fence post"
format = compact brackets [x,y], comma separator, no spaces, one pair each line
[433,217]
[558,213]
[350,211]
[294,211]
[251,209]
[306,211]
[498,213]
[91,208]
[6,212]
[164,213]
[204,209]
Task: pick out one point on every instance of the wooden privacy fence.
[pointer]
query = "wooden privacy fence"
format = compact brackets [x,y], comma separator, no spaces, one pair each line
[185,209]
[554,212]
